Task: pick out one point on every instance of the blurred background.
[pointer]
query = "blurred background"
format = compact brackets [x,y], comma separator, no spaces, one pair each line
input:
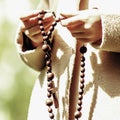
[16,79]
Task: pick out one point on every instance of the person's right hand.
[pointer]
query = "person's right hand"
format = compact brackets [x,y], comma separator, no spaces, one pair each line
[31,28]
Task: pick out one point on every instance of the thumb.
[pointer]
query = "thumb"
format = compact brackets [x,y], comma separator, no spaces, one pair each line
[71,18]
[68,15]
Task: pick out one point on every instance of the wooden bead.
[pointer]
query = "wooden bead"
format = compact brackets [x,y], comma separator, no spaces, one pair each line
[51,28]
[82,59]
[78,114]
[79,108]
[54,23]
[50,110]
[49,83]
[82,75]
[43,33]
[48,94]
[48,62]
[45,48]
[80,98]
[40,21]
[49,102]
[82,86]
[51,115]
[50,76]
[79,102]
[82,80]
[49,68]
[41,28]
[45,38]
[83,49]
[81,91]
[82,69]
[82,64]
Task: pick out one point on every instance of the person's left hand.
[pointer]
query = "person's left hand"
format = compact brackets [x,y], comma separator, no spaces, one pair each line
[84,25]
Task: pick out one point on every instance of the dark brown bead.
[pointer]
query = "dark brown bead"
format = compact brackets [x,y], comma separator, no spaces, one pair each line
[45,48]
[80,97]
[51,28]
[77,114]
[49,102]
[82,59]
[50,110]
[48,68]
[82,64]
[79,102]
[82,75]
[82,80]
[51,115]
[40,23]
[83,49]
[43,33]
[41,28]
[48,89]
[48,63]
[45,38]
[82,69]
[49,83]
[79,108]
[82,86]
[47,57]
[49,33]
[54,24]
[50,76]
[48,94]
[81,91]
[54,14]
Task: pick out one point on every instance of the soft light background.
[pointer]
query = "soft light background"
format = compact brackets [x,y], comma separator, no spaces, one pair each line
[16,79]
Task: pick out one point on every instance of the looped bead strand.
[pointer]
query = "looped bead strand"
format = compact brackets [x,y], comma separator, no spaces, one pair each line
[78,112]
[51,89]
[50,76]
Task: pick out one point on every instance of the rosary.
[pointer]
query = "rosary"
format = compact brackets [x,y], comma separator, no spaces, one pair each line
[51,89]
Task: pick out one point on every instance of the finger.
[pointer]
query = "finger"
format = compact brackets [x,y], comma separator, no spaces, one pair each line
[72,21]
[29,15]
[70,14]
[48,16]
[76,28]
[33,31]
[67,15]
[81,35]
[34,21]
[30,22]
[36,30]
[78,17]
[37,38]
[83,40]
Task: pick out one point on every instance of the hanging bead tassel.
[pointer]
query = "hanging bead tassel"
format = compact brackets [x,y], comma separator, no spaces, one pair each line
[51,90]
[78,112]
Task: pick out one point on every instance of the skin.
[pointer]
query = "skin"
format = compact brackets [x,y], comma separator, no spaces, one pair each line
[29,25]
[84,25]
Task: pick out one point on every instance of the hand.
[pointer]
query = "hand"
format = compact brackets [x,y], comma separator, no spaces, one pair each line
[31,28]
[84,25]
